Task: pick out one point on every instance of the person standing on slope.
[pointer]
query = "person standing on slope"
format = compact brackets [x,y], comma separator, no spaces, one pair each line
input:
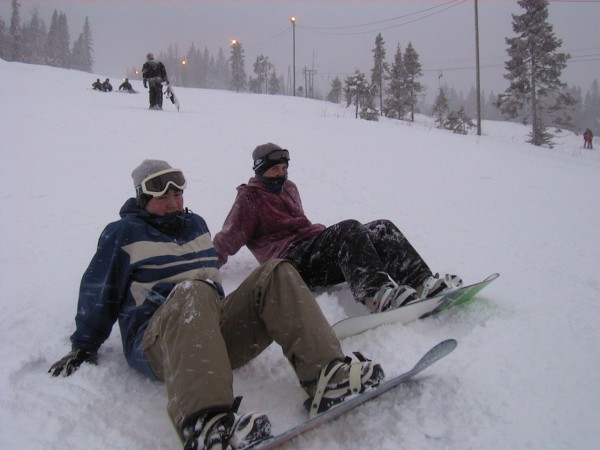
[154,74]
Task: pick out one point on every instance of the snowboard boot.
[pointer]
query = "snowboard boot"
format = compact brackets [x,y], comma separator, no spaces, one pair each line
[391,296]
[340,380]
[225,430]
[434,285]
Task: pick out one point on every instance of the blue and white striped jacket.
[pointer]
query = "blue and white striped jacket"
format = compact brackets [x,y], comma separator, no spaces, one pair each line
[139,260]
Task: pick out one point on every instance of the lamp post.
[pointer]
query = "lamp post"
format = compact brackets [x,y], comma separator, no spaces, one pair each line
[478,84]
[293,20]
[236,63]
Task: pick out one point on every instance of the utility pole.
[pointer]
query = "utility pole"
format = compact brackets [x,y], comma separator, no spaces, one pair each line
[478,83]
[293,20]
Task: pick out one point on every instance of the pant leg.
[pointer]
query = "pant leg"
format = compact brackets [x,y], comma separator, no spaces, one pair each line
[342,252]
[400,259]
[185,347]
[155,88]
[274,304]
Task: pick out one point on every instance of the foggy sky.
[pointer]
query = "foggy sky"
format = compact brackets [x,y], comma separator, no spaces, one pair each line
[332,37]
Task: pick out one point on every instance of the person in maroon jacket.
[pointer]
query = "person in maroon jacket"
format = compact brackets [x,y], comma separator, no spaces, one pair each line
[382,269]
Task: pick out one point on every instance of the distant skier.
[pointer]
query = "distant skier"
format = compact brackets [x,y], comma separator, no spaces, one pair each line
[587,139]
[126,86]
[106,86]
[97,85]
[154,73]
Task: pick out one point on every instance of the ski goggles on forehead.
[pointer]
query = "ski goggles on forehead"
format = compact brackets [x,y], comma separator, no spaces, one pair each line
[159,183]
[280,156]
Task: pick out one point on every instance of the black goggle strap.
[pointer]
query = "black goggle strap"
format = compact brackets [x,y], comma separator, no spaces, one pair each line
[282,156]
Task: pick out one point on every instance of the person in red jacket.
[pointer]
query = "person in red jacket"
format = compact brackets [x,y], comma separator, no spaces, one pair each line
[587,139]
[381,267]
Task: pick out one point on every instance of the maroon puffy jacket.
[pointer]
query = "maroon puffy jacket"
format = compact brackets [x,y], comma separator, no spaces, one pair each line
[268,223]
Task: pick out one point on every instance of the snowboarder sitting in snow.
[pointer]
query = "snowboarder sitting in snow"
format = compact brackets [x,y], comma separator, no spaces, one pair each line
[154,73]
[97,85]
[106,86]
[126,86]
[587,138]
[381,267]
[156,272]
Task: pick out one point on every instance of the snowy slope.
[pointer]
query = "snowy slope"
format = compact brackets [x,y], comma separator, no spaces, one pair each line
[525,374]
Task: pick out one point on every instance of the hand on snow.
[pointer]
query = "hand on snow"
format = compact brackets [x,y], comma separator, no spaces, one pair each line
[72,361]
[145,83]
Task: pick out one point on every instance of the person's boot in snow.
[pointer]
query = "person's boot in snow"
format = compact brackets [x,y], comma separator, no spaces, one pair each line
[339,380]
[434,285]
[391,296]
[225,430]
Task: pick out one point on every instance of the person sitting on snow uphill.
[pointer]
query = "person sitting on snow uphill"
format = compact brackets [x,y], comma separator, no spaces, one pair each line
[381,267]
[156,272]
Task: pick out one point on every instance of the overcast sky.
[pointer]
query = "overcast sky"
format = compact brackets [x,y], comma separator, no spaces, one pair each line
[333,37]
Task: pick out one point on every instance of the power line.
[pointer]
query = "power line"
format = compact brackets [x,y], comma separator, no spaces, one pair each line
[349,33]
[385,20]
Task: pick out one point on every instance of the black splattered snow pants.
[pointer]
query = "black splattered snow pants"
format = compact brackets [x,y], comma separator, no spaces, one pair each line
[365,256]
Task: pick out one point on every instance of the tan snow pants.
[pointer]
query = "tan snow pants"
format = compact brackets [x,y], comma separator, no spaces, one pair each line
[195,339]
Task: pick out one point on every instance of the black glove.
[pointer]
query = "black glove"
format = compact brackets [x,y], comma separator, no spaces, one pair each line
[72,361]
[145,83]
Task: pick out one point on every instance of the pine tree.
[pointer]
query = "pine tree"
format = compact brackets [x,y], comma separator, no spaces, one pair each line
[535,92]
[16,51]
[4,41]
[440,109]
[238,72]
[34,40]
[379,68]
[274,86]
[222,75]
[262,67]
[82,49]
[412,72]
[58,53]
[335,94]
[459,122]
[395,105]
[357,90]
[591,108]
[368,111]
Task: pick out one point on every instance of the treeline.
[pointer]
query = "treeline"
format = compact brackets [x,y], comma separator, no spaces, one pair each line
[393,88]
[585,112]
[34,43]
[200,69]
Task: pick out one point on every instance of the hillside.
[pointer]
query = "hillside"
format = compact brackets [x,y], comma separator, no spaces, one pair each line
[525,371]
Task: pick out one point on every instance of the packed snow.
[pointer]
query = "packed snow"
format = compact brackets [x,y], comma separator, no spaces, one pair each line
[525,373]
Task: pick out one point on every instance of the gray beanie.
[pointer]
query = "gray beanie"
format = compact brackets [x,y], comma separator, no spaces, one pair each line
[147,168]
[261,164]
[144,170]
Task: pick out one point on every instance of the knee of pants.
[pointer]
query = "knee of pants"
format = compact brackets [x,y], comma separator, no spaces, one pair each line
[192,292]
[279,269]
[349,225]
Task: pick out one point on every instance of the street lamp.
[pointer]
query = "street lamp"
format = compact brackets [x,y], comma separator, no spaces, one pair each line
[236,65]
[293,20]
[477,72]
